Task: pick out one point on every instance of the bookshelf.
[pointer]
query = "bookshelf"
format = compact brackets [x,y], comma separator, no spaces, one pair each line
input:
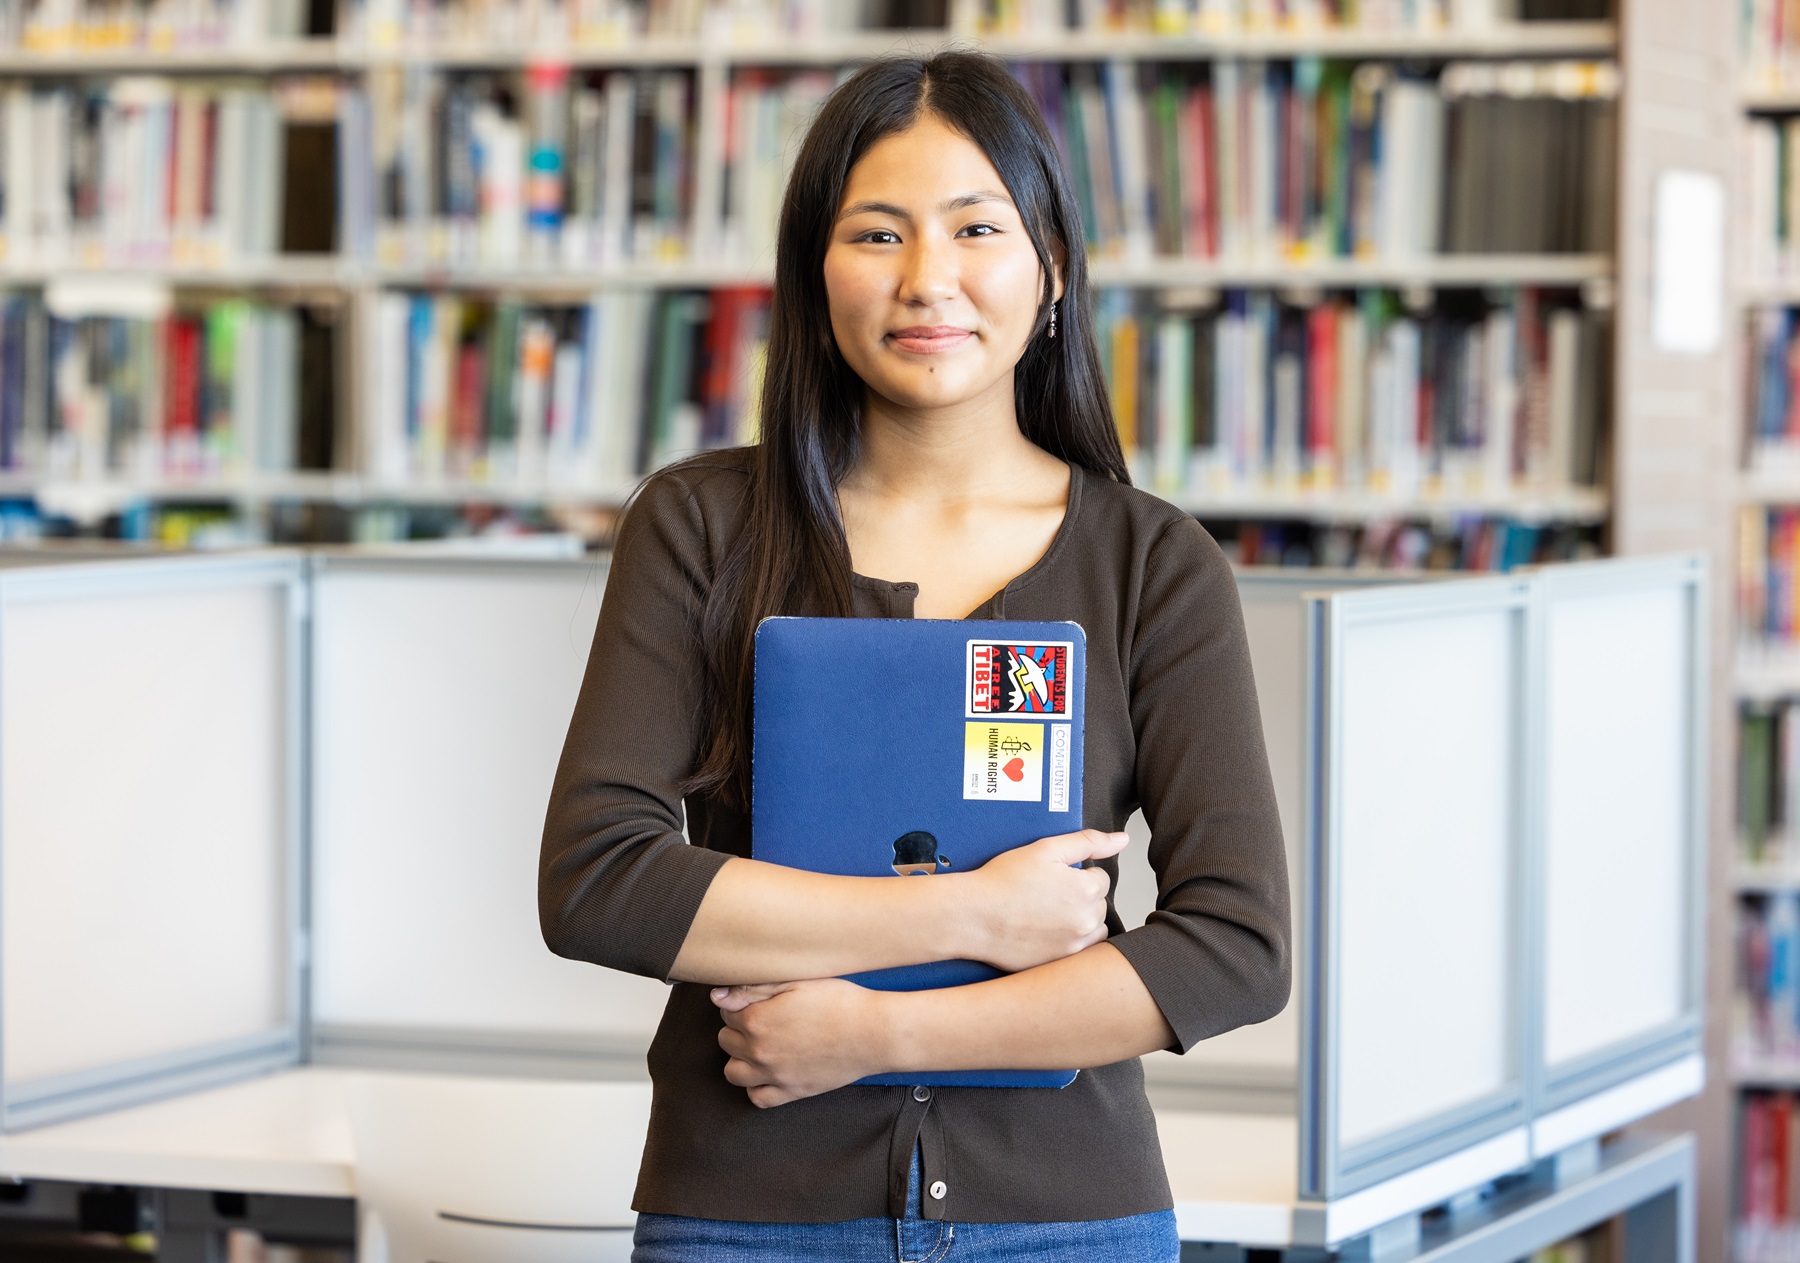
[367,74]
[1764,1063]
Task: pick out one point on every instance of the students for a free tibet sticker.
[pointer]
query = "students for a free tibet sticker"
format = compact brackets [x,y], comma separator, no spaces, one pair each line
[1011,679]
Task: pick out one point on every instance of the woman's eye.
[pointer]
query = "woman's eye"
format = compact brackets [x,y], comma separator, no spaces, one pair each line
[877,232]
[989,229]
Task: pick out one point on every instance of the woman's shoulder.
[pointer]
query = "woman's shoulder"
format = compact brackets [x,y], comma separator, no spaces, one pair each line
[701,492]
[1142,522]
[707,477]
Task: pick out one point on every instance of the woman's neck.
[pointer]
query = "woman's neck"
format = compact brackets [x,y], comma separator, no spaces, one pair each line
[970,451]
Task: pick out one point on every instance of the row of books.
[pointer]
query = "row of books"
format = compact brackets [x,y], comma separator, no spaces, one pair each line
[1768,210]
[1772,388]
[1357,392]
[199,391]
[1769,782]
[1767,1017]
[549,168]
[1311,159]
[76,26]
[1768,1187]
[1468,542]
[64,26]
[147,170]
[1224,17]
[1253,395]
[543,23]
[1768,577]
[1770,39]
[602,22]
[554,168]
[584,398]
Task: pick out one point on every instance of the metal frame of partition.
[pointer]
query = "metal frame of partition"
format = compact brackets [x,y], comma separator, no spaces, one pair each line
[1325,1170]
[60,1097]
[1583,1077]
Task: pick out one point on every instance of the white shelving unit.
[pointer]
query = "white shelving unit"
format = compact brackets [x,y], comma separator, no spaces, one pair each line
[1766,1072]
[1155,271]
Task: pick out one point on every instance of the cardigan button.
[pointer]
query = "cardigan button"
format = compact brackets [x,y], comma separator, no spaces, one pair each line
[938,1190]
[921,1093]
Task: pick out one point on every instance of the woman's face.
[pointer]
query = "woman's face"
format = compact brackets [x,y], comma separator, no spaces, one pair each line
[932,280]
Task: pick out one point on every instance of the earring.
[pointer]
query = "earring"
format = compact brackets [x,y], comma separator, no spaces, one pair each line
[1053,317]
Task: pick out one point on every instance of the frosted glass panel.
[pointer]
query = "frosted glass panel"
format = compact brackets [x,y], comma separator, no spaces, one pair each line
[1617,817]
[144,762]
[443,695]
[1425,844]
[1275,624]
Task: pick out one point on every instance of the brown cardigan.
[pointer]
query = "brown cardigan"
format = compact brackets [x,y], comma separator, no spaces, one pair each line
[1172,726]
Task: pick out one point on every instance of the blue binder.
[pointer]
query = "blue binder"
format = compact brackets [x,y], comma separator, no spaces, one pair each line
[887,747]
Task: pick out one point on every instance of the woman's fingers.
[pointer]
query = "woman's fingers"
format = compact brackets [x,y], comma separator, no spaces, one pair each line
[737,999]
[1084,844]
[744,1074]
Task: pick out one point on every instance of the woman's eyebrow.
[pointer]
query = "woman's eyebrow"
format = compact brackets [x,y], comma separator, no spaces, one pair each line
[949,204]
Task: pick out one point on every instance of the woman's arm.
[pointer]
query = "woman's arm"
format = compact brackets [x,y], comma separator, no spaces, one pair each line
[792,1040]
[618,883]
[760,922]
[1213,955]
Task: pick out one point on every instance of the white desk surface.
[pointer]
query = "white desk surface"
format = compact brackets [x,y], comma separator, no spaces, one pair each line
[1233,1174]
[281,1133]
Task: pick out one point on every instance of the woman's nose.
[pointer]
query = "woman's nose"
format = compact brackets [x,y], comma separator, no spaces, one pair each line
[929,274]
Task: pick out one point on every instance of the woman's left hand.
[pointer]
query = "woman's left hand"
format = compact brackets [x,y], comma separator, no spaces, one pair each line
[789,1040]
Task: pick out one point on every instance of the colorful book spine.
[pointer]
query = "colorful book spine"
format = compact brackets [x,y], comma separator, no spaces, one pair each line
[143,170]
[1357,393]
[1310,159]
[584,398]
[550,169]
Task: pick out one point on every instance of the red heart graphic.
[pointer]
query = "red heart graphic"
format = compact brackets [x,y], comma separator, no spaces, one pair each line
[1015,769]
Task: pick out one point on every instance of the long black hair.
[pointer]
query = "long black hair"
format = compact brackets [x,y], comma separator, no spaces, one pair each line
[791,556]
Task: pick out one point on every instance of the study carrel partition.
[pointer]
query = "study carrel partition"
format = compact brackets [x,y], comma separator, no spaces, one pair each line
[151,713]
[1548,857]
[1413,905]
[1620,862]
[1254,1068]
[442,689]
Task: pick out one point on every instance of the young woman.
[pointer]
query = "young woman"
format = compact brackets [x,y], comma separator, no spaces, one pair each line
[936,443]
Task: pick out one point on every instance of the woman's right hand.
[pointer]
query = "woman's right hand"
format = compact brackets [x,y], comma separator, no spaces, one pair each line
[1034,906]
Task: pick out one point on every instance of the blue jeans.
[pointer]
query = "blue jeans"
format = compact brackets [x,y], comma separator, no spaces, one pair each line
[1147,1238]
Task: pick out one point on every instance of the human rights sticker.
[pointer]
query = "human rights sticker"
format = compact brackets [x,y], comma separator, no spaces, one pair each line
[1018,679]
[1003,762]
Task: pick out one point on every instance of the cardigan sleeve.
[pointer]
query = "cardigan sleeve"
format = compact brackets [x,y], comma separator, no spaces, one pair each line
[618,884]
[1216,952]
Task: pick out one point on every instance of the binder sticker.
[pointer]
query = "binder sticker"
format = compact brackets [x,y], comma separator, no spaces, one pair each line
[1017,679]
[1003,762]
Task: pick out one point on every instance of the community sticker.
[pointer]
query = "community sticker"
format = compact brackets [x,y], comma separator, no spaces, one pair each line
[1003,762]
[1018,679]
[1060,748]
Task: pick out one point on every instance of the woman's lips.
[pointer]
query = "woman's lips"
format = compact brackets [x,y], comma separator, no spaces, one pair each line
[930,341]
